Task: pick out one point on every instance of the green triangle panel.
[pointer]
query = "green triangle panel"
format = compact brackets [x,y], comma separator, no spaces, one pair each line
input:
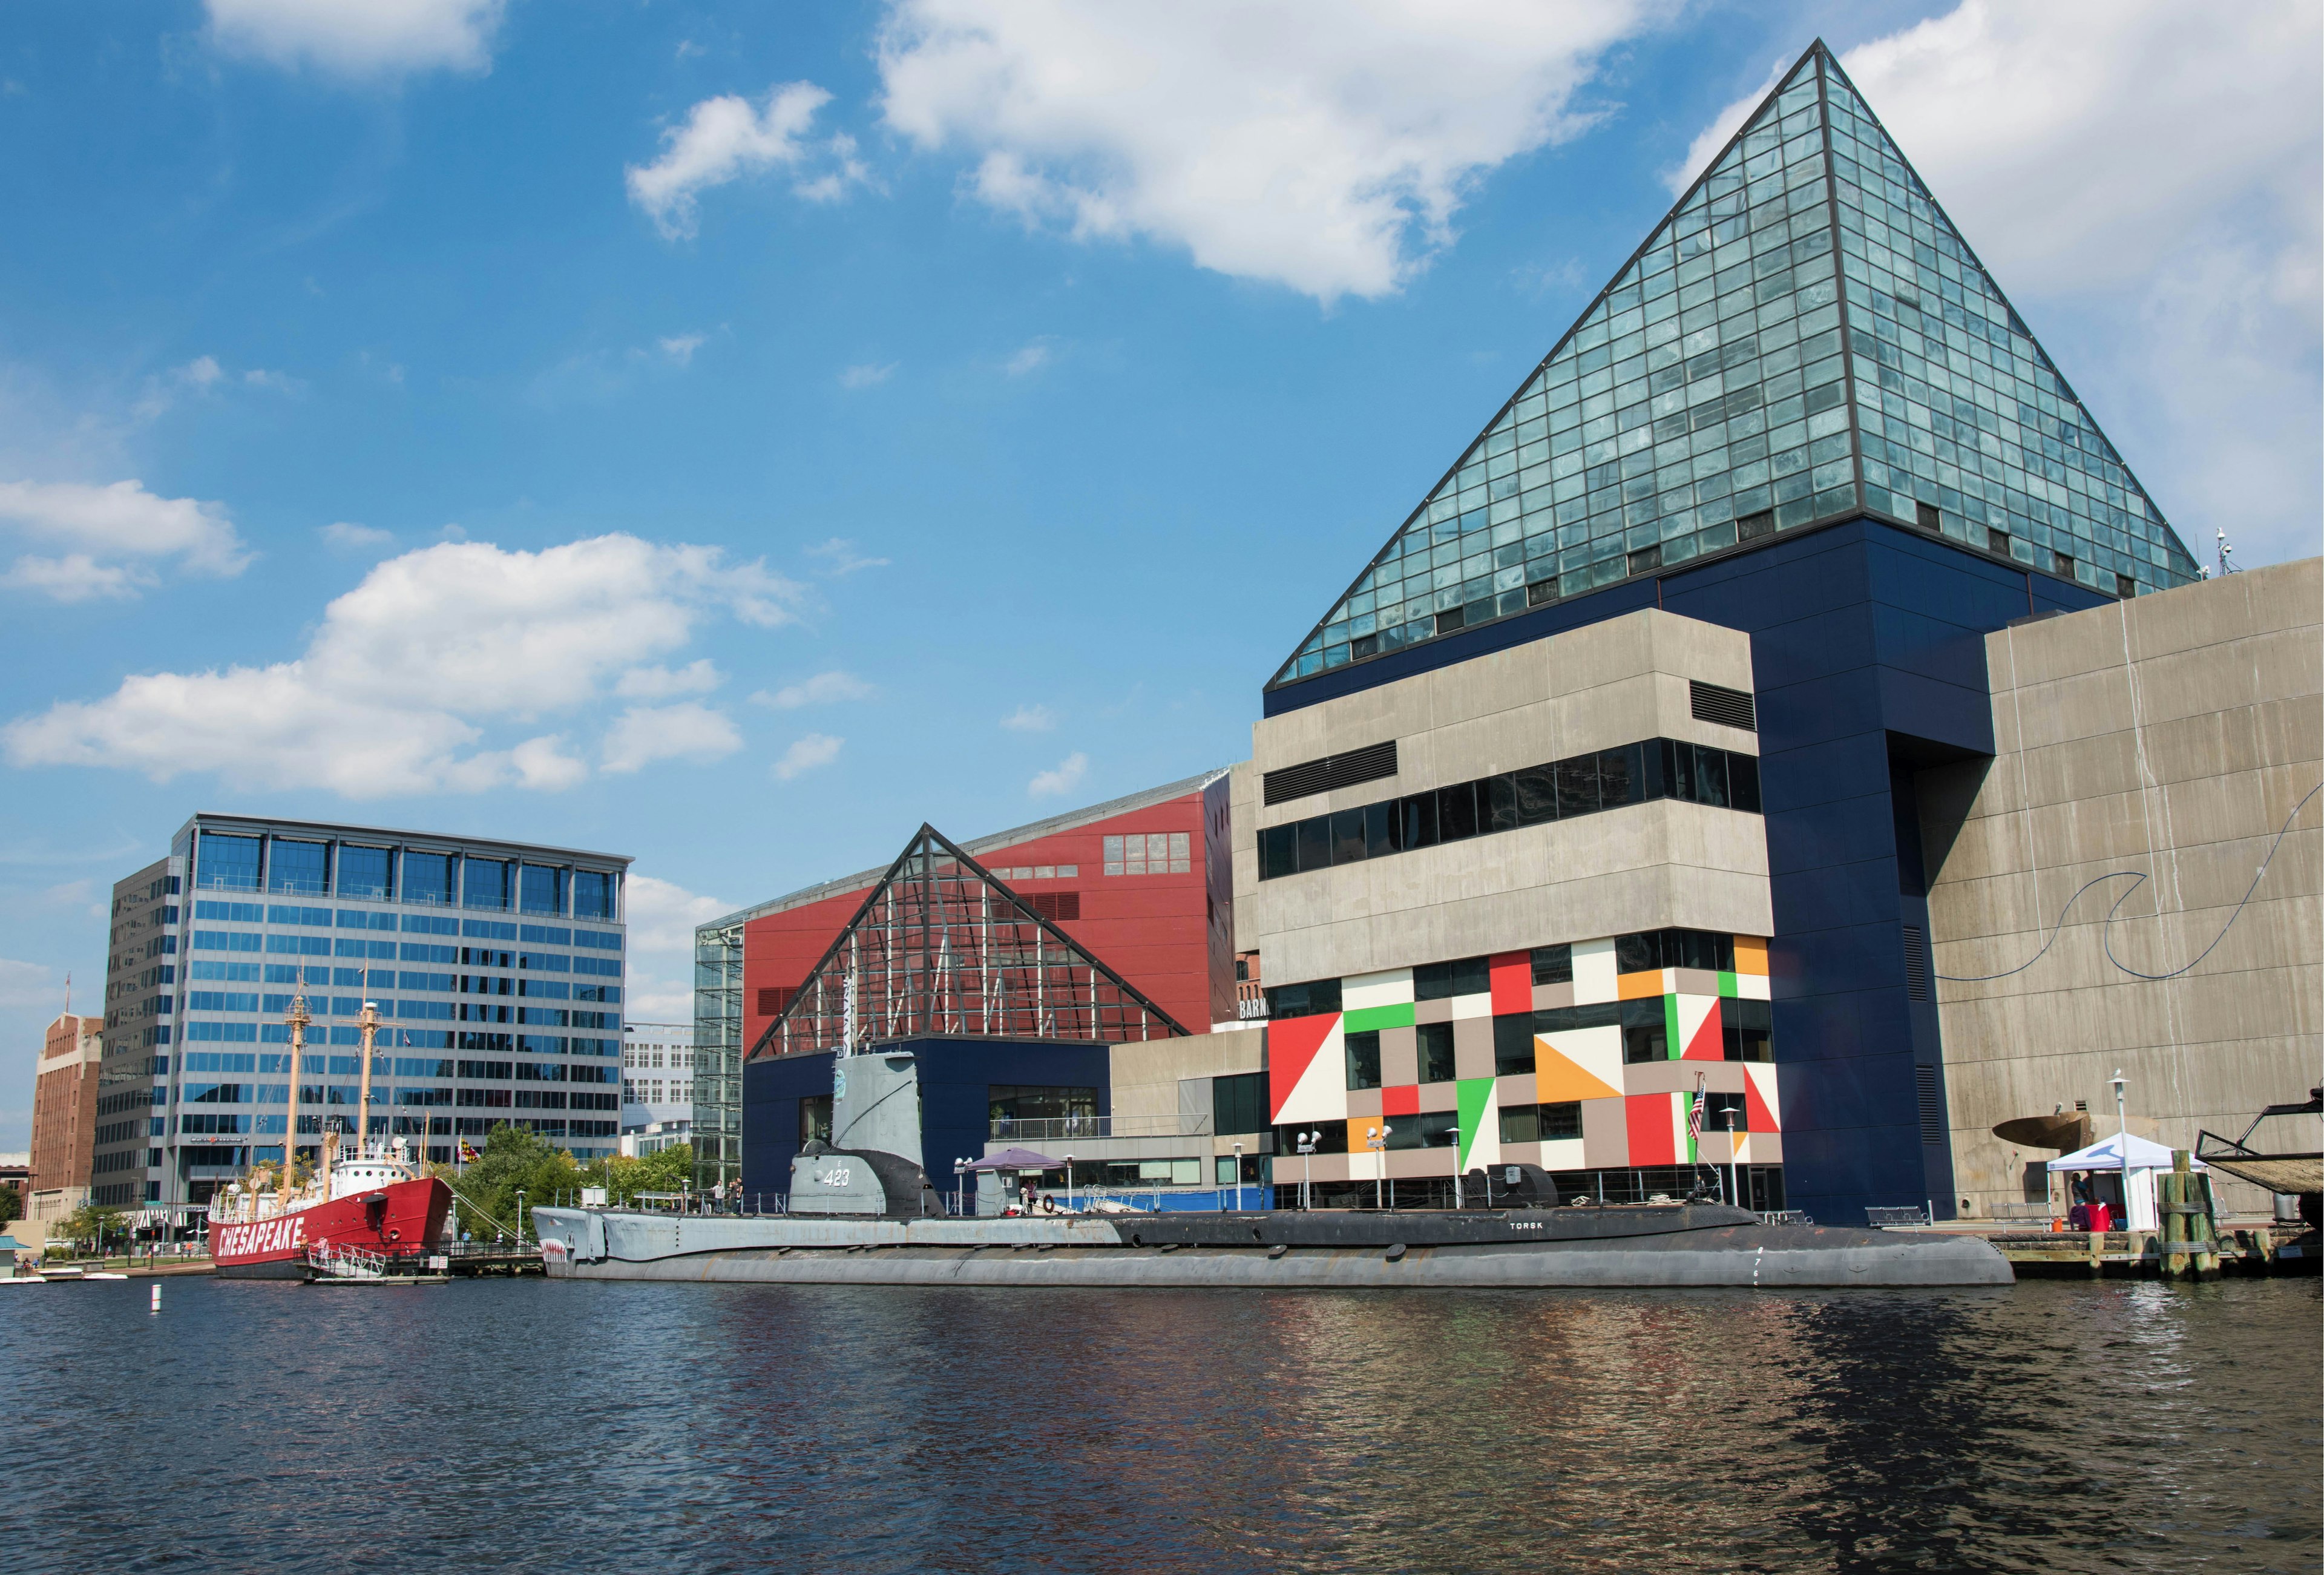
[1805,337]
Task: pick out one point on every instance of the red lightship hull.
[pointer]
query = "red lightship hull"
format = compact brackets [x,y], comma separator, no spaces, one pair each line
[408,1217]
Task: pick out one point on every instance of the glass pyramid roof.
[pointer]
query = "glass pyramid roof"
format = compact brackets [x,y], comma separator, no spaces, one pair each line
[1805,338]
[941,947]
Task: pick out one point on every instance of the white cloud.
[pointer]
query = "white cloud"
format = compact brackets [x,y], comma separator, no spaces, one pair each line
[400,682]
[869,375]
[2142,177]
[841,557]
[724,139]
[689,731]
[103,526]
[661,916]
[30,984]
[1065,778]
[74,577]
[1029,719]
[823,689]
[816,748]
[680,347]
[696,677]
[1326,150]
[354,537]
[1723,126]
[360,38]
[1032,358]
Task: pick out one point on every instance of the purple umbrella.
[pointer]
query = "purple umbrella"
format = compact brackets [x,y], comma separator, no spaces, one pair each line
[1017,1159]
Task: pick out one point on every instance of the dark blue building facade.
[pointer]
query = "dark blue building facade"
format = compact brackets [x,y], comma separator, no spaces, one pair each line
[957,1079]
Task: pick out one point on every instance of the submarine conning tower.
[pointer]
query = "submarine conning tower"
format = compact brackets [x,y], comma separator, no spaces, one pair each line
[873,1164]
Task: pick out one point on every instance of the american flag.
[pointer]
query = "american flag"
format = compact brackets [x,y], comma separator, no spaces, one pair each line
[1694,1114]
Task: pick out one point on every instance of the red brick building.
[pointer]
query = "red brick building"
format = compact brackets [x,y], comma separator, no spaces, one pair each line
[1144,882]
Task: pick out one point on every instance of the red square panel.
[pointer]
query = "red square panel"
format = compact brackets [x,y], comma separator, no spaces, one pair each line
[1512,973]
[1400,1101]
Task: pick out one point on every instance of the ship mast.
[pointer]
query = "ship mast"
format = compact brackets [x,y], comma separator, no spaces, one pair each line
[299,1020]
[370,1024]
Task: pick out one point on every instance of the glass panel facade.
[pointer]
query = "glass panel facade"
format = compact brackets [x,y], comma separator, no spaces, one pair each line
[483,883]
[1806,286]
[304,868]
[543,889]
[366,872]
[1959,409]
[428,877]
[227,863]
[594,892]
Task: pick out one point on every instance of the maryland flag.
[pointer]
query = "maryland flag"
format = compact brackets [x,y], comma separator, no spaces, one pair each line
[467,1152]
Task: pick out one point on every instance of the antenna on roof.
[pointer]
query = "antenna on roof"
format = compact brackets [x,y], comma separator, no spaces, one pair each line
[2226,568]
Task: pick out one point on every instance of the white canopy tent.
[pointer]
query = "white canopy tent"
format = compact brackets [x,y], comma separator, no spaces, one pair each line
[2138,1160]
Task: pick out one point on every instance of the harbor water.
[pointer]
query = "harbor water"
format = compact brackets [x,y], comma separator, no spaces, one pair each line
[521,1425]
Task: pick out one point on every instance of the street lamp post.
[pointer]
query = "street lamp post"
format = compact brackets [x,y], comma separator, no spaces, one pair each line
[1238,1175]
[1734,1163]
[1378,1144]
[1069,1183]
[960,1185]
[2121,1146]
[519,1216]
[1307,1141]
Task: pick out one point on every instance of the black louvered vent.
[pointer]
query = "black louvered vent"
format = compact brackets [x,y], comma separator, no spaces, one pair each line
[1932,1106]
[1727,707]
[1368,764]
[1056,906]
[1916,964]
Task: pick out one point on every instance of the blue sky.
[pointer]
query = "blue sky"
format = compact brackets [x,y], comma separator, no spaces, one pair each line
[730,435]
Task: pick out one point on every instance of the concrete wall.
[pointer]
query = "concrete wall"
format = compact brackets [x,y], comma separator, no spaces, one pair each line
[1641,867]
[2169,737]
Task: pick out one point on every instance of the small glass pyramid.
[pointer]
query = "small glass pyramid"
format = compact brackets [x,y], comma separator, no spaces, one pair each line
[940,947]
[1805,337]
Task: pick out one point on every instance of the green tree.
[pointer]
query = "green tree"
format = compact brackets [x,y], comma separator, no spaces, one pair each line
[12,1204]
[92,1227]
[666,1170]
[512,1158]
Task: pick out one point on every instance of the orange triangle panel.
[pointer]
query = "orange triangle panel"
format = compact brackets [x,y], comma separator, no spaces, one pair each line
[1557,1078]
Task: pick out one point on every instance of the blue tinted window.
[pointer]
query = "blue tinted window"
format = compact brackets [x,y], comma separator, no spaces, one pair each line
[483,883]
[303,868]
[227,863]
[366,872]
[550,934]
[543,889]
[593,894]
[426,878]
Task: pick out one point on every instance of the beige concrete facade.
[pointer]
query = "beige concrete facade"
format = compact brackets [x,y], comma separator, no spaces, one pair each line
[1638,868]
[2171,737]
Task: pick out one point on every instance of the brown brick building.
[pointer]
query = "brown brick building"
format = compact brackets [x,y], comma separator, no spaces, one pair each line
[64,1117]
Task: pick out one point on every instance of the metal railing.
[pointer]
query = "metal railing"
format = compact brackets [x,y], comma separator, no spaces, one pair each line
[1880,1217]
[1053,1128]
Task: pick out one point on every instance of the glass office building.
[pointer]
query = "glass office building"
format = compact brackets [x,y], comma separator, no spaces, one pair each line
[496,967]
